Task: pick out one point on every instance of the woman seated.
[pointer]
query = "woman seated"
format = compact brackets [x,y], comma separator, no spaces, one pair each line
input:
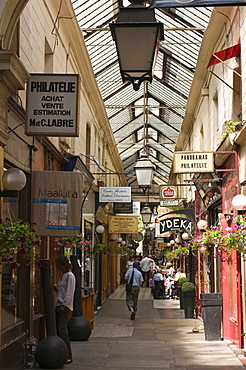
[158,284]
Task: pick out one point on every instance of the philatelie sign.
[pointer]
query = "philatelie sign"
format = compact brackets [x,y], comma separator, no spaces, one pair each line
[193,162]
[52,105]
[115,194]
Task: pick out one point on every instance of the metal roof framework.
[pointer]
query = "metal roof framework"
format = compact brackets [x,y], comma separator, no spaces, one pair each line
[157,109]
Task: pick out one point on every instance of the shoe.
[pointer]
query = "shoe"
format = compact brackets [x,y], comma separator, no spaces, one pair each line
[69,361]
[133,315]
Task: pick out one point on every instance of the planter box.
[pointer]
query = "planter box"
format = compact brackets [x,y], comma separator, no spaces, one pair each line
[212,315]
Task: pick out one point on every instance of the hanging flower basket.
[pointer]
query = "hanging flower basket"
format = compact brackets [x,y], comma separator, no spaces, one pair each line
[215,241]
[81,243]
[18,238]
[71,242]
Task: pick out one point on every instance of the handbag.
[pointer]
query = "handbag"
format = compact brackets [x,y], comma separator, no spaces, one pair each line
[129,285]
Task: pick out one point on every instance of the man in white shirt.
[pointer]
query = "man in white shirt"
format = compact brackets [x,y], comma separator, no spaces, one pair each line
[146,264]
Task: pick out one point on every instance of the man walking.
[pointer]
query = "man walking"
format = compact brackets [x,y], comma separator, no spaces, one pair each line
[146,264]
[132,297]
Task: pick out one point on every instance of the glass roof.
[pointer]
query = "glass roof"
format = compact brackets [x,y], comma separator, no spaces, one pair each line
[157,109]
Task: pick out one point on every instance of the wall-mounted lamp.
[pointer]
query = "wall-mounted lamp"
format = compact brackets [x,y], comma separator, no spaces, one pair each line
[119,240]
[185,236]
[172,242]
[113,237]
[13,180]
[202,224]
[100,229]
[123,242]
[239,203]
[178,241]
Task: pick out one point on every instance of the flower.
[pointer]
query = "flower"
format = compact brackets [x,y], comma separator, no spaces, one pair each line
[17,238]
[71,242]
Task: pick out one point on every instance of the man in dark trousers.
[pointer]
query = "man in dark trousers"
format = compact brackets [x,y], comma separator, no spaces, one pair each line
[132,297]
[146,264]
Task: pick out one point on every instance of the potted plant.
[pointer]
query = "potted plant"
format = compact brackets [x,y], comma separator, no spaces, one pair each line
[231,127]
[189,294]
[181,281]
[18,241]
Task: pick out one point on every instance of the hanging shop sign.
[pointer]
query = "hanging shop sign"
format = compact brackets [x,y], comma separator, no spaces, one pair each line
[58,197]
[195,3]
[123,224]
[169,203]
[193,162]
[52,101]
[168,192]
[123,208]
[115,194]
[176,224]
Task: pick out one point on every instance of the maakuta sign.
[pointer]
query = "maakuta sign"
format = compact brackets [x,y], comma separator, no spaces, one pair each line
[192,162]
[52,105]
[57,202]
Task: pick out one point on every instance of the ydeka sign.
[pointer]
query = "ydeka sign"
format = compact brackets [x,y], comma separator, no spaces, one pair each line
[52,105]
[176,224]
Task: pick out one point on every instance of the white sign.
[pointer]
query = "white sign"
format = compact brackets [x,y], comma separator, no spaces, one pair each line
[169,203]
[52,105]
[192,162]
[115,194]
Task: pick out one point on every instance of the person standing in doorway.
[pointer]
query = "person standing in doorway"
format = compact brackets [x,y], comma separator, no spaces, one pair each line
[64,300]
[146,264]
[132,297]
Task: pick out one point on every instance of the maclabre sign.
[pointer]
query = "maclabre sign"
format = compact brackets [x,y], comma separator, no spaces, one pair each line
[52,105]
[193,162]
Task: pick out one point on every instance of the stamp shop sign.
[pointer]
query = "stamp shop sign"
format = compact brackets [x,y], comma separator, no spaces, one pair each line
[52,105]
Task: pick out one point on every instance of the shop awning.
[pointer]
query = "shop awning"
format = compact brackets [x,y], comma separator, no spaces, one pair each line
[222,55]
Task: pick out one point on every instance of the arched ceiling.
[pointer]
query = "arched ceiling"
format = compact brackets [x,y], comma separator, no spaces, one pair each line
[157,109]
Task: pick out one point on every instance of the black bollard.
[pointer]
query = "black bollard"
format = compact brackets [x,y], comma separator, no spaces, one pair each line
[52,351]
[79,327]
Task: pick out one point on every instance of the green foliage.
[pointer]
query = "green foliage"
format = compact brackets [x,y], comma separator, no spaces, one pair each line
[230,126]
[111,249]
[177,253]
[188,287]
[182,280]
[17,238]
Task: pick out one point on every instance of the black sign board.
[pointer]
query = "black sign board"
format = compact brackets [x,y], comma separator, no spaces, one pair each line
[176,224]
[123,208]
